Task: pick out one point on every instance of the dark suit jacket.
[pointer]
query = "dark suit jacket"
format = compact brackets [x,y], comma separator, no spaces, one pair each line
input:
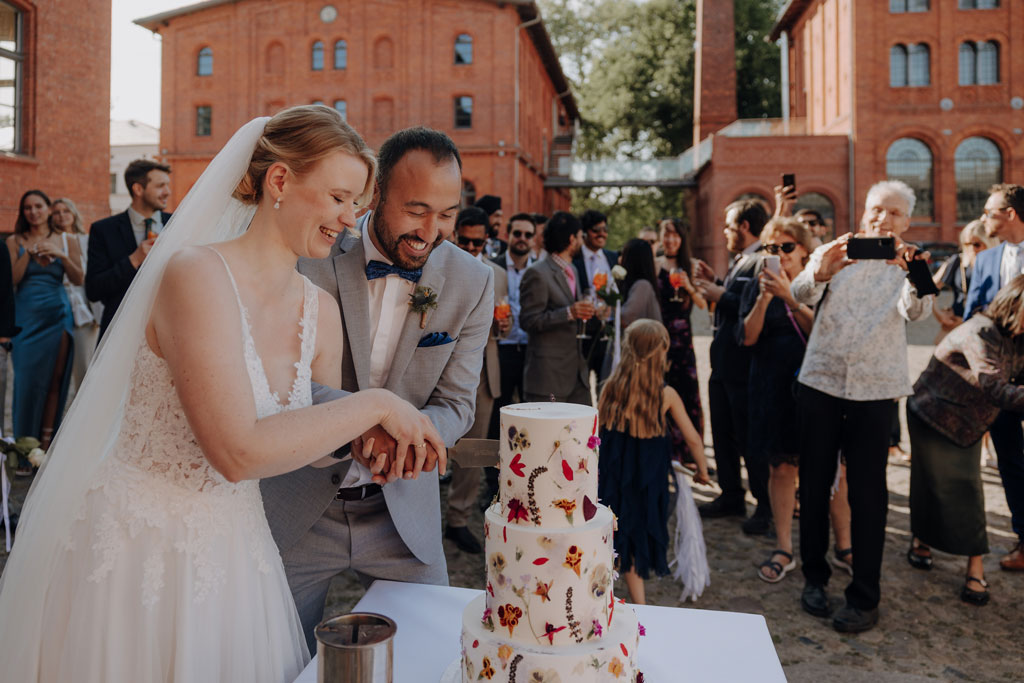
[7,326]
[581,266]
[110,273]
[730,361]
[984,280]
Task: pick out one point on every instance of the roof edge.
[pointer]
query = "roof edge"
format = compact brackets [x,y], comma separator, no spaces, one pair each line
[787,17]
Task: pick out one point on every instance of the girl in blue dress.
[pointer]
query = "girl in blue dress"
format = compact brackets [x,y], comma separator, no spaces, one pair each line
[636,453]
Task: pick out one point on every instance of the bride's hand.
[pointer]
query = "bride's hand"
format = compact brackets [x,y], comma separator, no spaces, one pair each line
[416,438]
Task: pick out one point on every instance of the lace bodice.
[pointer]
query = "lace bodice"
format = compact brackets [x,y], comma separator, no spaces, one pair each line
[157,474]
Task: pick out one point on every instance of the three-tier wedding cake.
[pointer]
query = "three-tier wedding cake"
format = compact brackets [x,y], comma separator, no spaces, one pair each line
[548,613]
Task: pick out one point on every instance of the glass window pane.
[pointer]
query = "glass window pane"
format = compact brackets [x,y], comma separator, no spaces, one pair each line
[965,4]
[978,166]
[341,55]
[463,112]
[9,83]
[464,49]
[987,4]
[896,6]
[919,67]
[967,63]
[917,6]
[988,63]
[204,116]
[205,66]
[897,66]
[318,56]
[9,33]
[342,108]
[910,160]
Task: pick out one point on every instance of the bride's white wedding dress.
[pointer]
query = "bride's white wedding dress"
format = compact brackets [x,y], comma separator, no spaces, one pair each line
[169,572]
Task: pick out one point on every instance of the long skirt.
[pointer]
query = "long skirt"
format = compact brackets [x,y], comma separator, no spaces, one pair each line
[947,502]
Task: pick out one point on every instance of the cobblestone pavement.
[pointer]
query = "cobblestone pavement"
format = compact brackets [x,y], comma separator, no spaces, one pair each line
[925,633]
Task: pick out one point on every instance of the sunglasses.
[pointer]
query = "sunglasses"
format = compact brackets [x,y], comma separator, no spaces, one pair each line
[521,233]
[785,248]
[465,241]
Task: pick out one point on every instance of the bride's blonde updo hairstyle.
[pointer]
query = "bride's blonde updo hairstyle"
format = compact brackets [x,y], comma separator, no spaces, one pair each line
[299,137]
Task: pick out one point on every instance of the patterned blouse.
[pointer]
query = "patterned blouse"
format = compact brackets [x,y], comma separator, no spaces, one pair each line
[858,346]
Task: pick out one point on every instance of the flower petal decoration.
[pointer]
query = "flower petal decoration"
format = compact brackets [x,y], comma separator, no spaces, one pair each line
[516,511]
[541,560]
[550,631]
[589,509]
[566,470]
[517,465]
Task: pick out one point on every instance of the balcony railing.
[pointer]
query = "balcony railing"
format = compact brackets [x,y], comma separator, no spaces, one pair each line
[759,128]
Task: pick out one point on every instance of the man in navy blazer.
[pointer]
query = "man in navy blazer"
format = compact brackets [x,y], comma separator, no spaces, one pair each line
[119,244]
[994,268]
[592,259]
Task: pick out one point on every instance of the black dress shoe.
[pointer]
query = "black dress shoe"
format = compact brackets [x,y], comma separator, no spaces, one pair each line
[759,524]
[723,507]
[852,620]
[814,600]
[464,539]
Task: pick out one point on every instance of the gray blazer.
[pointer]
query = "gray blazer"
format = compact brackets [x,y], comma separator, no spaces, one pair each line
[441,380]
[553,356]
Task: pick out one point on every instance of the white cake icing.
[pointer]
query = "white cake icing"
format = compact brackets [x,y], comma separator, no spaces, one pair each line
[548,614]
[548,464]
[553,579]
[488,655]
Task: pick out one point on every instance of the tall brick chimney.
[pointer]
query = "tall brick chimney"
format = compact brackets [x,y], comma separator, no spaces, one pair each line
[714,81]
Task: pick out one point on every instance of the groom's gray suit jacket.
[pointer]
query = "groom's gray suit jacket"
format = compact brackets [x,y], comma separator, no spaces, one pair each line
[440,380]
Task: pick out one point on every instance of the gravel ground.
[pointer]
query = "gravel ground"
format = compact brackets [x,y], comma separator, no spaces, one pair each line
[925,633]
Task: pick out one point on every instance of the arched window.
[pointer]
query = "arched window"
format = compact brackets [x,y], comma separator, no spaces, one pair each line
[968,64]
[919,72]
[988,63]
[463,112]
[340,55]
[464,49]
[318,56]
[978,166]
[342,108]
[820,203]
[204,65]
[317,102]
[897,66]
[910,160]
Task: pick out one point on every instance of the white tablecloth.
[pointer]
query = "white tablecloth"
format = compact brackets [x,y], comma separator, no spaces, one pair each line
[680,645]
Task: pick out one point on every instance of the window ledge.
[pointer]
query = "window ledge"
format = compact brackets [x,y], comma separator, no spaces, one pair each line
[15,157]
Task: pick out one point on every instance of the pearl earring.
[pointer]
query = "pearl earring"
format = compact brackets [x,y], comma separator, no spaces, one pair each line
[277,204]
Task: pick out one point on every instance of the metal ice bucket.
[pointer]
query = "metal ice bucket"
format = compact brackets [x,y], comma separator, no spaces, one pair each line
[356,648]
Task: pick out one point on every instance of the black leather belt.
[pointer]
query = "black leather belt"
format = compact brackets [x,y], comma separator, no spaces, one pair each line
[358,492]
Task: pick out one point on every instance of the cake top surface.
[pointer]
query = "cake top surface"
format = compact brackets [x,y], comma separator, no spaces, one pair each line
[550,411]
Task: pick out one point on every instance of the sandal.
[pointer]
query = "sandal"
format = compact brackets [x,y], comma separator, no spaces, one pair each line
[974,597]
[841,559]
[919,556]
[780,569]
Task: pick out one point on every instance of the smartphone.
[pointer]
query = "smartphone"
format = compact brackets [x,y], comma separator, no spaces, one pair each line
[871,248]
[789,180]
[772,264]
[920,275]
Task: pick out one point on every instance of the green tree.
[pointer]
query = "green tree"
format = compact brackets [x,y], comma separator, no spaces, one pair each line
[758,62]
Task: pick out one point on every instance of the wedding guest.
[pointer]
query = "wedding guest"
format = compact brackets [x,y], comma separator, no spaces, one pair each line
[730,373]
[636,455]
[955,273]
[649,235]
[471,234]
[7,327]
[68,221]
[676,305]
[639,290]
[119,244]
[994,269]
[42,350]
[537,251]
[496,242]
[553,313]
[967,382]
[854,366]
[815,222]
[593,259]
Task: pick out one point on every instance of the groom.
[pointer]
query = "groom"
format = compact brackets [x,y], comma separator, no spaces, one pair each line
[327,520]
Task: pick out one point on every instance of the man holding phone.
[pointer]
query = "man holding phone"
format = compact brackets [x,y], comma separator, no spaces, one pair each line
[854,367]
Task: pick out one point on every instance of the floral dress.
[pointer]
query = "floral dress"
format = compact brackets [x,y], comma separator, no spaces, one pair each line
[682,362]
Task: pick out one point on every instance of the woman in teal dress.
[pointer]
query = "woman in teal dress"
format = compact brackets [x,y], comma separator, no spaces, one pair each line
[42,349]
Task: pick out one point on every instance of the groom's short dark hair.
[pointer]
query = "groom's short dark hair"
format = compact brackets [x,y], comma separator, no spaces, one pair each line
[405,141]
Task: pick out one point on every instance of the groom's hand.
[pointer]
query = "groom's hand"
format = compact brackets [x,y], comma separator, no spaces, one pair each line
[381,456]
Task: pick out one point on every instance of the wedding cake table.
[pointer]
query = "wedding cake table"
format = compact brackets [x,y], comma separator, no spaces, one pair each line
[680,645]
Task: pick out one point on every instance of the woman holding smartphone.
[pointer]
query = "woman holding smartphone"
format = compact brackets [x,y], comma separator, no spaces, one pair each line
[776,326]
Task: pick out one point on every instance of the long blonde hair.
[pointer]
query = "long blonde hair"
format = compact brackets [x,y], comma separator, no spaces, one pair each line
[631,400]
[299,137]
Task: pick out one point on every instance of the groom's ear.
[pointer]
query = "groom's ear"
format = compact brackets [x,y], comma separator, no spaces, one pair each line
[375,199]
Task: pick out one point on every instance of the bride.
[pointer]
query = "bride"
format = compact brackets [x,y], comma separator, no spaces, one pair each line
[144,553]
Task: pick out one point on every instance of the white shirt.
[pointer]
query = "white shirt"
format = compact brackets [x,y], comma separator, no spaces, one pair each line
[139,224]
[595,262]
[515,333]
[388,299]
[1011,266]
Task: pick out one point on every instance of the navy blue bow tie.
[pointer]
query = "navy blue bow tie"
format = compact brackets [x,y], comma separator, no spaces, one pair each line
[376,269]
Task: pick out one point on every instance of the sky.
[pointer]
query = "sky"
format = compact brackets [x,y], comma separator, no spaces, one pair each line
[135,60]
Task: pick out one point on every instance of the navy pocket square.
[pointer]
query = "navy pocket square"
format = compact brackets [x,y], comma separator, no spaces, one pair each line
[435,339]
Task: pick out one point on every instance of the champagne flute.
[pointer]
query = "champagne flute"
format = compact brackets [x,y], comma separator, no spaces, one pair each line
[581,322]
[675,278]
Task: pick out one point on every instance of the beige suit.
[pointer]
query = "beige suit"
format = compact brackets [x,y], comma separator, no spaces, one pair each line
[465,484]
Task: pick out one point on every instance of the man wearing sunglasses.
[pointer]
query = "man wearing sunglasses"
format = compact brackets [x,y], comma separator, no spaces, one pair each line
[814,221]
[470,234]
[994,268]
[592,259]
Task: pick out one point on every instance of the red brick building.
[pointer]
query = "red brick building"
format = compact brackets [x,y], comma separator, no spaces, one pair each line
[54,104]
[926,91]
[484,71]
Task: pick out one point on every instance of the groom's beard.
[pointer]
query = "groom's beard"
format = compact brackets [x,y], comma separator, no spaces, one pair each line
[389,244]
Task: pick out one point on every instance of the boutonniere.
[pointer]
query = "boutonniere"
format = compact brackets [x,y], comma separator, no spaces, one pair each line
[422,300]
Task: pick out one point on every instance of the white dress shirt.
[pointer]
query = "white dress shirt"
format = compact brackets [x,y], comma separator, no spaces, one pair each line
[1011,266]
[388,299]
[595,262]
[515,276]
[139,224]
